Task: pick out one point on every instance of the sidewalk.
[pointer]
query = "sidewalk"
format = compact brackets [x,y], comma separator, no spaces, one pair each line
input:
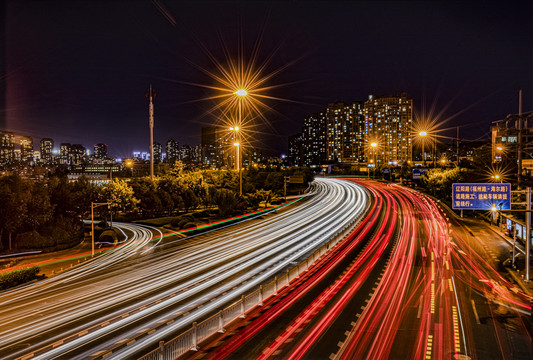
[480,228]
[517,274]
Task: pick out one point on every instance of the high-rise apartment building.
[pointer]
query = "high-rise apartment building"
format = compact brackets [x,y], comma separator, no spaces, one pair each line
[295,153]
[173,151]
[47,145]
[77,154]
[209,145]
[345,132]
[64,153]
[314,139]
[100,151]
[158,153]
[388,122]
[7,148]
[26,149]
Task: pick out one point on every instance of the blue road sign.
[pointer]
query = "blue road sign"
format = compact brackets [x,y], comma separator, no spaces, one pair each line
[481,196]
[418,172]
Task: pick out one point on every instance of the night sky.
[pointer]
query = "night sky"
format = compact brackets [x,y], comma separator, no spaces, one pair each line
[77,70]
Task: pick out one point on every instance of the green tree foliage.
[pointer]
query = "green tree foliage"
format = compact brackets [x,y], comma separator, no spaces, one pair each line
[439,182]
[145,190]
[120,195]
[226,200]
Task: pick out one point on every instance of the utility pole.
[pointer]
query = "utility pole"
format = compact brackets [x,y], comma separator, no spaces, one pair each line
[150,94]
[528,232]
[520,143]
[457,150]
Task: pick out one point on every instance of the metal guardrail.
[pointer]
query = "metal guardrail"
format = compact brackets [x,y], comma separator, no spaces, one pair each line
[190,339]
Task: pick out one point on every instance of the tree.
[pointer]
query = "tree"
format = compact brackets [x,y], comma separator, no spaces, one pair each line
[15,194]
[120,195]
[39,209]
[145,190]
[226,200]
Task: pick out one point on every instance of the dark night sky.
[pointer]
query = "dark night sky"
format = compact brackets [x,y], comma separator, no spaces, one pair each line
[77,70]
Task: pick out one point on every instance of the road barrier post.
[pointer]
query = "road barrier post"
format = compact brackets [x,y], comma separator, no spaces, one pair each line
[194,336]
[242,307]
[161,350]
[221,322]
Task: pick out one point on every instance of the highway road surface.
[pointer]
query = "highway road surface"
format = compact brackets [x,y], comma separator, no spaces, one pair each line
[121,304]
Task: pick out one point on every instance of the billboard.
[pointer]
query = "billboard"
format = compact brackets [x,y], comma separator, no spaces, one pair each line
[481,196]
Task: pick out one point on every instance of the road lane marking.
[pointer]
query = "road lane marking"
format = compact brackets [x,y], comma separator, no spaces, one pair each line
[429,347]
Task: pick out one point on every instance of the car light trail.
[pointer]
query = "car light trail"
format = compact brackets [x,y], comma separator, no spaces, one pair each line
[87,311]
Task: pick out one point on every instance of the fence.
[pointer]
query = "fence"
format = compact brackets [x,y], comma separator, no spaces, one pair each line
[190,339]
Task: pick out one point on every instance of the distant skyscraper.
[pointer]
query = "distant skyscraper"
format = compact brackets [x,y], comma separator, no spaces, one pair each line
[173,151]
[209,145]
[26,149]
[314,139]
[47,145]
[100,151]
[344,132]
[353,135]
[295,153]
[388,121]
[77,154]
[7,147]
[64,153]
[158,153]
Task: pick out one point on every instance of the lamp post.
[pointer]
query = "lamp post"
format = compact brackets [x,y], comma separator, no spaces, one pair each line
[129,164]
[423,135]
[94,205]
[374,145]
[241,94]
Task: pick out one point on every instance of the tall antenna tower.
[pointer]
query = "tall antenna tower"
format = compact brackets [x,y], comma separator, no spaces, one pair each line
[150,94]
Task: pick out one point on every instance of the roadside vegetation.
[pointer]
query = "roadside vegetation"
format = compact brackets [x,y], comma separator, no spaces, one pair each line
[48,214]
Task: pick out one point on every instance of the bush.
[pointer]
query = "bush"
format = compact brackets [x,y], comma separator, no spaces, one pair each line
[180,221]
[18,277]
[108,236]
[201,214]
[189,225]
[33,240]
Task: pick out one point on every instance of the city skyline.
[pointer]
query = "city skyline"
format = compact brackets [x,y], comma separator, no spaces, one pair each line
[81,75]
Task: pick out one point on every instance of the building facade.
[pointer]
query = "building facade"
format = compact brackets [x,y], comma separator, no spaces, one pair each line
[388,122]
[47,146]
[7,148]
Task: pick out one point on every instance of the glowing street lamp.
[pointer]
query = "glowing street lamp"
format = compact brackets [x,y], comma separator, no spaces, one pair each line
[423,134]
[497,177]
[241,94]
[374,145]
[129,164]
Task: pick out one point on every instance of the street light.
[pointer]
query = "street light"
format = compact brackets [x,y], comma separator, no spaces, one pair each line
[94,205]
[374,145]
[241,94]
[423,134]
[497,177]
[129,164]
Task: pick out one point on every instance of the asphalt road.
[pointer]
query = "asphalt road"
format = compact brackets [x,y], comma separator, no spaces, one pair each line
[149,292]
[427,288]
